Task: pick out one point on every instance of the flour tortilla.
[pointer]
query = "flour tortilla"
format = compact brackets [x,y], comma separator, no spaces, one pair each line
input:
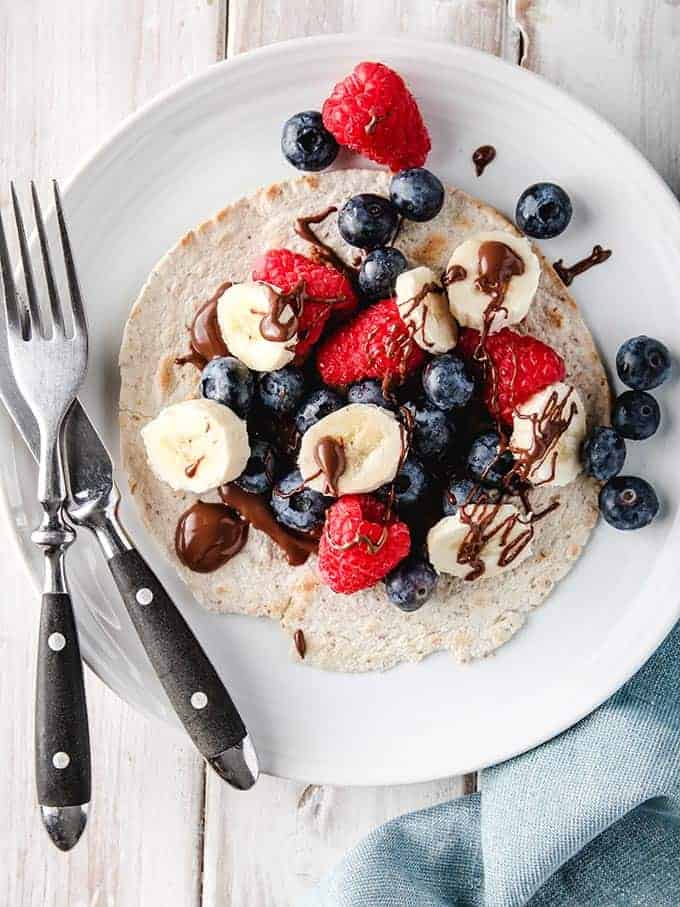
[363,631]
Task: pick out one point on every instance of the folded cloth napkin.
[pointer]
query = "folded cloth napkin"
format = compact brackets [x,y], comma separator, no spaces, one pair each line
[589,818]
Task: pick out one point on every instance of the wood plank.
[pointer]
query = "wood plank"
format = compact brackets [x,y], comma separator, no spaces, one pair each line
[621,59]
[70,71]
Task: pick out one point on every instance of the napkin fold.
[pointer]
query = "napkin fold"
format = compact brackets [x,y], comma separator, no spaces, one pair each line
[590,818]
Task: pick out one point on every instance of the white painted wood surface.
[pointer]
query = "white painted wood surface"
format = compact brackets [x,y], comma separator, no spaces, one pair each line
[162,832]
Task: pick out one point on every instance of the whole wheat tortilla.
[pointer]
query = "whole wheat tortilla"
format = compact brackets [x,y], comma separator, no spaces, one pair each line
[363,631]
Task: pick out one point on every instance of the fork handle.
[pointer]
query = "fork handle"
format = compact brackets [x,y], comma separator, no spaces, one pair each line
[62,740]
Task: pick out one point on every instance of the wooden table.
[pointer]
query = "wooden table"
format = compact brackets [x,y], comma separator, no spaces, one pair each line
[162,830]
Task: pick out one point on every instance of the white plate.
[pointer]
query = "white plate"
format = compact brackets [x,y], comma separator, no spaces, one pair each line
[215,138]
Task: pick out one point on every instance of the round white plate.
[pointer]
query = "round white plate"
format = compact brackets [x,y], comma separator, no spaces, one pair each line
[215,138]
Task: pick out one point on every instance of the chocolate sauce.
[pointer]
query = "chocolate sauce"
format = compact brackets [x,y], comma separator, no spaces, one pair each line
[209,535]
[372,124]
[482,157]
[273,326]
[300,643]
[568,273]
[480,519]
[454,274]
[205,338]
[255,510]
[408,308]
[322,250]
[498,264]
[191,470]
[547,427]
[329,456]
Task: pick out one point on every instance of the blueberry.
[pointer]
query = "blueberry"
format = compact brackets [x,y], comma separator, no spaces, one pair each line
[543,211]
[314,407]
[297,506]
[411,483]
[604,453]
[281,391]
[433,431]
[411,583]
[636,415]
[643,363]
[379,272]
[260,472]
[460,492]
[368,221]
[417,194]
[447,383]
[627,502]
[369,391]
[306,143]
[228,381]
[485,463]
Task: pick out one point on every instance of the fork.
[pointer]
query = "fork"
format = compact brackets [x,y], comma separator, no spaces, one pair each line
[48,357]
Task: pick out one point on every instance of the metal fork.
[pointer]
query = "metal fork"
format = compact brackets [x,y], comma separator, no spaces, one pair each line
[48,357]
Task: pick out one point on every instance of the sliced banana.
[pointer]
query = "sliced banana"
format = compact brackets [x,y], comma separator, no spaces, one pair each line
[468,303]
[505,541]
[371,442]
[196,445]
[548,431]
[426,313]
[240,312]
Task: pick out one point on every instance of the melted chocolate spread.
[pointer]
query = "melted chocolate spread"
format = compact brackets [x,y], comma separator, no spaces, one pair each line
[454,274]
[568,273]
[321,250]
[329,456]
[482,157]
[273,326]
[300,643]
[547,427]
[209,535]
[205,338]
[412,304]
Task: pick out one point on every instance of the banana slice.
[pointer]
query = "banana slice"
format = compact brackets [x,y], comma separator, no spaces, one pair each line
[469,304]
[196,445]
[548,431]
[240,314]
[365,455]
[426,313]
[485,541]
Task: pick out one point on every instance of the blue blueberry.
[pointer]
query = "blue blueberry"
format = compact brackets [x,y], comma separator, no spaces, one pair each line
[306,143]
[368,221]
[297,506]
[411,484]
[417,194]
[543,211]
[604,453]
[411,583]
[460,492]
[260,472]
[369,391]
[379,272]
[636,415]
[228,381]
[485,463]
[318,404]
[627,502]
[281,391]
[433,431]
[643,363]
[446,382]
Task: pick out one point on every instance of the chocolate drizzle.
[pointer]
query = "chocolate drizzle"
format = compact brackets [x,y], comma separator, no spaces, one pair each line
[205,337]
[482,157]
[547,427]
[372,124]
[329,456]
[209,535]
[498,264]
[454,274]
[568,273]
[300,643]
[273,327]
[407,308]
[321,250]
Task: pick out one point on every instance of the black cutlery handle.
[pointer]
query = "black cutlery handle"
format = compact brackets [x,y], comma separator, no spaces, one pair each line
[194,688]
[62,736]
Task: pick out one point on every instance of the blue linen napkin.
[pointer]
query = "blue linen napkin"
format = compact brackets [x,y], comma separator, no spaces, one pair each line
[589,818]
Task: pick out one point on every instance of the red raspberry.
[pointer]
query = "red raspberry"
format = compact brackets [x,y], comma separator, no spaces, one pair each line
[522,366]
[286,270]
[347,561]
[373,112]
[375,344]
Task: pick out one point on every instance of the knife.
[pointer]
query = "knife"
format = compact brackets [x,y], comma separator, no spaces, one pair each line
[191,683]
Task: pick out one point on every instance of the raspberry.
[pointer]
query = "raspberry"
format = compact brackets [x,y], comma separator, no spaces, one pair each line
[360,543]
[375,344]
[522,366]
[373,112]
[286,270]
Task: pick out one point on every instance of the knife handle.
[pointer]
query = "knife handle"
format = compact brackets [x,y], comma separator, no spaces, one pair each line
[62,737]
[194,688]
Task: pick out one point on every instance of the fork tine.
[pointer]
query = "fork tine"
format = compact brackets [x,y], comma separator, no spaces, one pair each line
[79,321]
[55,302]
[34,320]
[10,294]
